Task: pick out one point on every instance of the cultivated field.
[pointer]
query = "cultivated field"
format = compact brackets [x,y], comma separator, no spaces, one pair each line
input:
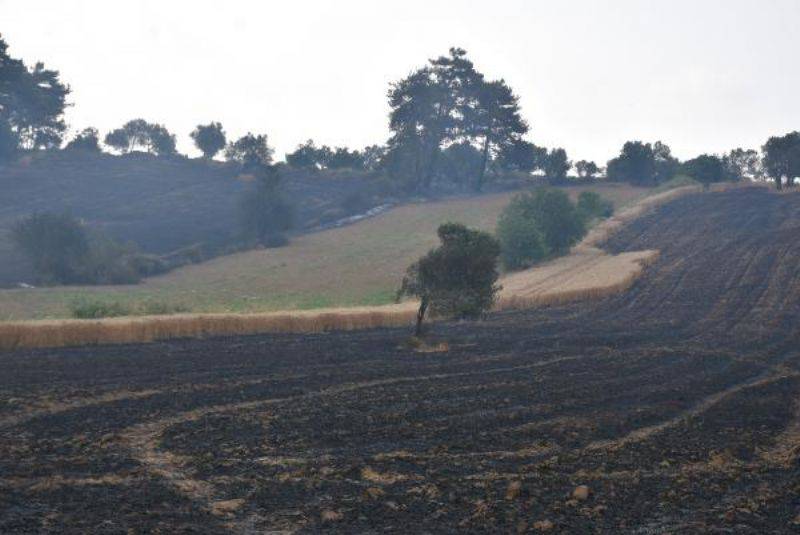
[676,405]
[361,264]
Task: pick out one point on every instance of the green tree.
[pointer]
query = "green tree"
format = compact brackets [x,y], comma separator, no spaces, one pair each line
[706,169]
[521,240]
[457,279]
[32,102]
[250,150]
[9,142]
[461,162]
[56,244]
[586,169]
[643,164]
[209,138]
[139,134]
[495,120]
[522,156]
[266,216]
[555,216]
[741,164]
[782,158]
[305,156]
[427,110]
[343,158]
[591,205]
[86,140]
[557,165]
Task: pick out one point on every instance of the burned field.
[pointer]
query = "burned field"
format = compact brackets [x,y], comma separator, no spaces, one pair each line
[674,407]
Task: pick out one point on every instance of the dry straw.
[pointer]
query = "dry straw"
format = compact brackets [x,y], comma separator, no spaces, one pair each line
[587,273]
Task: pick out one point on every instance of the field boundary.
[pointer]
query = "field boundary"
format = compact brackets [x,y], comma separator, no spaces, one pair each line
[523,290]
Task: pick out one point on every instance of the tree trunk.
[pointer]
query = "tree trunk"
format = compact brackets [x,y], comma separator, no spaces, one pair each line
[484,162]
[423,306]
[779,182]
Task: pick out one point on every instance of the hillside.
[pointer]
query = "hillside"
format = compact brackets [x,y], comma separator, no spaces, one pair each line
[359,264]
[671,408]
[160,204]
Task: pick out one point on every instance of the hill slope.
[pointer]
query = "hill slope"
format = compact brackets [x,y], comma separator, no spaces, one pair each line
[674,404]
[355,265]
[160,204]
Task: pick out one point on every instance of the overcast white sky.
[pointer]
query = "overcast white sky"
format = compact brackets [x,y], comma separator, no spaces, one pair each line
[703,75]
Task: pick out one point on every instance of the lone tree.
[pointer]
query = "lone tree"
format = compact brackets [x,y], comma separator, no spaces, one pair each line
[266,216]
[556,165]
[782,158]
[209,138]
[139,134]
[458,279]
[250,151]
[86,140]
[706,169]
[586,169]
[643,164]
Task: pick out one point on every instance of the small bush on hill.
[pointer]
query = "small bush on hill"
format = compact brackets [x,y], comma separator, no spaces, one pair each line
[63,251]
[457,279]
[86,140]
[521,240]
[593,206]
[266,215]
[97,309]
[540,224]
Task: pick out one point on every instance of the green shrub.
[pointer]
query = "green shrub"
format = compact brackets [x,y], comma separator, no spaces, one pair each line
[57,246]
[592,206]
[266,215]
[522,242]
[98,309]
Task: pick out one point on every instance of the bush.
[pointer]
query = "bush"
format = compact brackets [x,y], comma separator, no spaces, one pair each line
[62,251]
[458,278]
[56,244]
[266,215]
[522,242]
[554,214]
[592,206]
[97,309]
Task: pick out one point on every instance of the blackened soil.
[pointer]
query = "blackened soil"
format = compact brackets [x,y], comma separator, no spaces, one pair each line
[677,404]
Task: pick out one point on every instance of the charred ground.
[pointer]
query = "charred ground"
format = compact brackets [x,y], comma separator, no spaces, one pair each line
[675,403]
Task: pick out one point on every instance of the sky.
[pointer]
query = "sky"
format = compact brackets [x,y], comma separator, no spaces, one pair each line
[705,76]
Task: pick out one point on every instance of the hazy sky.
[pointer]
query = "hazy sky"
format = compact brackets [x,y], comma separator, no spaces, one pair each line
[703,75]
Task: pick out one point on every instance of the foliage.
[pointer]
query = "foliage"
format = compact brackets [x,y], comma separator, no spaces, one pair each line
[32,103]
[86,140]
[741,164]
[305,156]
[522,242]
[706,169]
[643,164]
[447,102]
[556,165]
[782,158]
[85,309]
[309,156]
[586,169]
[139,134]
[250,150]
[266,215]
[63,251]
[56,244]
[461,162]
[8,142]
[521,155]
[457,279]
[555,215]
[591,205]
[209,138]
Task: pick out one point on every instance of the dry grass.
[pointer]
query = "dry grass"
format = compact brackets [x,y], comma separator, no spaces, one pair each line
[587,273]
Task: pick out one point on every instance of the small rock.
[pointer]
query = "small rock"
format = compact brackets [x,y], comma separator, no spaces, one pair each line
[581,493]
[543,525]
[328,515]
[514,490]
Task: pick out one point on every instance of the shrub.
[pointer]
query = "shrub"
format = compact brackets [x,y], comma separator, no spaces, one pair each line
[522,242]
[209,138]
[86,140]
[554,214]
[457,279]
[97,309]
[266,215]
[592,206]
[56,244]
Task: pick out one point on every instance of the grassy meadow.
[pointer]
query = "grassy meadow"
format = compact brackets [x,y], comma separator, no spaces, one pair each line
[360,264]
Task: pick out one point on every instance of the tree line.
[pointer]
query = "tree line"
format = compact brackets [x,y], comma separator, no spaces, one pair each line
[448,123]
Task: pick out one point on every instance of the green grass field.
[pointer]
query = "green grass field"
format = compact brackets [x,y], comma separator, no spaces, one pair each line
[360,264]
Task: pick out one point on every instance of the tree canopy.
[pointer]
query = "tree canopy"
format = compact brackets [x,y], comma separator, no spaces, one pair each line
[643,164]
[32,103]
[139,134]
[209,138]
[782,158]
[250,151]
[457,279]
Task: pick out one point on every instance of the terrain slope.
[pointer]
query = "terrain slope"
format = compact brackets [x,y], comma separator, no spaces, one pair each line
[676,404]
